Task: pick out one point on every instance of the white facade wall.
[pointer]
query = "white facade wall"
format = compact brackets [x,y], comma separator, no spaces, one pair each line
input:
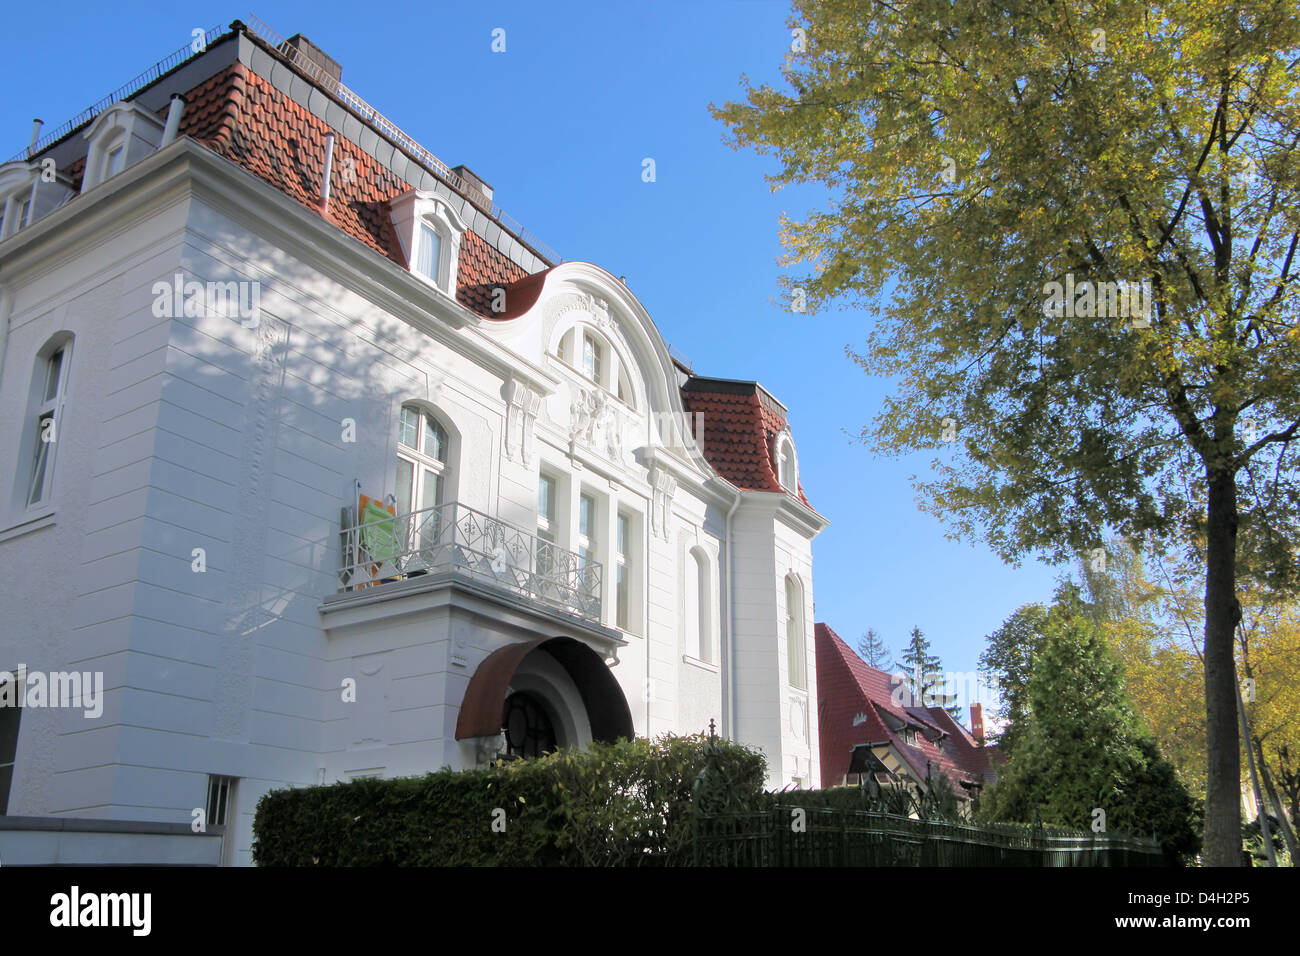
[202,432]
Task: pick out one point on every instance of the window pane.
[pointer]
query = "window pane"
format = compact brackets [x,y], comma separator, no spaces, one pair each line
[621,620]
[586,516]
[432,493]
[591,358]
[405,491]
[427,255]
[22,216]
[36,489]
[435,439]
[622,535]
[546,498]
[52,375]
[408,431]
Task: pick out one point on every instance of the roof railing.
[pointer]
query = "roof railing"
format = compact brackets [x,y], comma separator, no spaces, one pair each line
[123,92]
[387,128]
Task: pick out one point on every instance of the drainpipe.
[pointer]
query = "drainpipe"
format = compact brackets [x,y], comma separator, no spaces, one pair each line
[325,177]
[174,111]
[729,728]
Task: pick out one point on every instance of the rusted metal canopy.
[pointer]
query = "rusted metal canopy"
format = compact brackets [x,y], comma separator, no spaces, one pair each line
[607,710]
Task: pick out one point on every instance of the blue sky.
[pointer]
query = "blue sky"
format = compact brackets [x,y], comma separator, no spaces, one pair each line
[559,124]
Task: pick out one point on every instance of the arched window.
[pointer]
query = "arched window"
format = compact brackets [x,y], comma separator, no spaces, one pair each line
[794,637]
[786,466]
[44,419]
[703,587]
[592,356]
[423,449]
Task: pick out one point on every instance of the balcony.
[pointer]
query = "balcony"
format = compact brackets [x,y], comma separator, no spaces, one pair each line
[455,538]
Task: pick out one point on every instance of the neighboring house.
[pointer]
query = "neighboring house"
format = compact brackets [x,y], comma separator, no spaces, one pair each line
[328,469]
[864,713]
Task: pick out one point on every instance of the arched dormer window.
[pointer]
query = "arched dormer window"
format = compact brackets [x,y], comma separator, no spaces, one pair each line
[121,135]
[45,414]
[593,356]
[27,193]
[794,633]
[430,232]
[787,465]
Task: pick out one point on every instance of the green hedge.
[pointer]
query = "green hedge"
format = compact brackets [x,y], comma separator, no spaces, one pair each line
[620,804]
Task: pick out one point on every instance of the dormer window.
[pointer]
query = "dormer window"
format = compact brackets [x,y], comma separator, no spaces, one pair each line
[123,134]
[592,356]
[430,232]
[787,465]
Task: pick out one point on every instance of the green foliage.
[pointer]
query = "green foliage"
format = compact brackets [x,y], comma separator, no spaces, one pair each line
[994,173]
[1009,659]
[620,804]
[923,676]
[1083,747]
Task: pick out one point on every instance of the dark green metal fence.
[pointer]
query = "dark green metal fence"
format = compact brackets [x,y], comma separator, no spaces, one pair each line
[788,835]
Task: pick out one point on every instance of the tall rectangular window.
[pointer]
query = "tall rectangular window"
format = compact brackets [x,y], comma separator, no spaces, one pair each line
[586,529]
[623,583]
[546,524]
[49,394]
[10,713]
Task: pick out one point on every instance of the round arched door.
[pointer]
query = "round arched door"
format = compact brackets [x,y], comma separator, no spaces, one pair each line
[528,728]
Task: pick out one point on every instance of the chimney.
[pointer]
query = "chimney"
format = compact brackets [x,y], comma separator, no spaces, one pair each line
[471,179]
[977,723]
[36,134]
[313,56]
[174,111]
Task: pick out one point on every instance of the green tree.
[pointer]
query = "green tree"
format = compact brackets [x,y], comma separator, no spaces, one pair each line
[996,172]
[873,649]
[1008,659]
[923,677]
[1082,747]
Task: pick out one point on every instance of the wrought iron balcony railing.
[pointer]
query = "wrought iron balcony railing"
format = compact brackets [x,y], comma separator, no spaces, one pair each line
[453,537]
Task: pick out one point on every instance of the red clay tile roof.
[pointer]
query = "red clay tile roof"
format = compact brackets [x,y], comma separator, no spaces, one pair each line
[849,689]
[240,116]
[739,428]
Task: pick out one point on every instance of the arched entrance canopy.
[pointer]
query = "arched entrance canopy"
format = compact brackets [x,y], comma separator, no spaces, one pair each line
[607,710]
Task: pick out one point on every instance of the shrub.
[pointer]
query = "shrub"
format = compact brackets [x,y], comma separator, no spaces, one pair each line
[620,804]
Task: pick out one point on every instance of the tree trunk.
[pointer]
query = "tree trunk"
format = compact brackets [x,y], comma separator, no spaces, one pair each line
[1223,785]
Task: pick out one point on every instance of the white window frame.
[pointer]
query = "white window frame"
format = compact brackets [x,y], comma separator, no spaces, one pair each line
[422,462]
[786,461]
[43,407]
[416,209]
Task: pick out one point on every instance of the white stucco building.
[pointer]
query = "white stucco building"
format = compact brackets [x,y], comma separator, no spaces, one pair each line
[237,308]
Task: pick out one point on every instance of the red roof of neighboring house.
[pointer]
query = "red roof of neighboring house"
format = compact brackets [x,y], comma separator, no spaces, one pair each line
[740,423]
[857,705]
